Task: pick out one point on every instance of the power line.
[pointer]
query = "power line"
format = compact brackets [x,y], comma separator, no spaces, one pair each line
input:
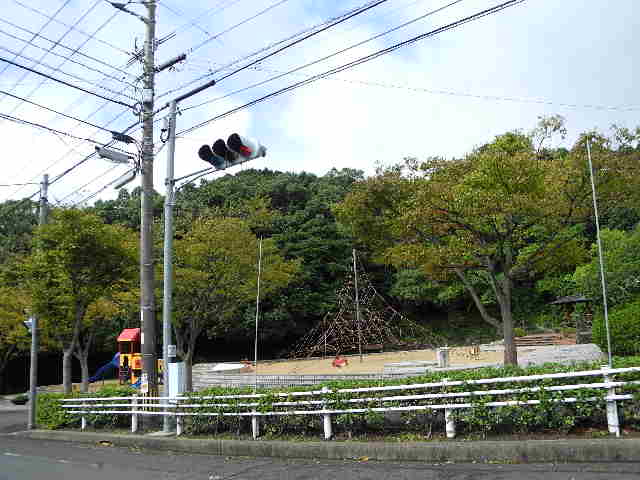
[239,24]
[42,57]
[77,190]
[57,69]
[84,65]
[44,127]
[308,33]
[65,83]
[61,45]
[56,112]
[206,13]
[17,184]
[73,27]
[104,24]
[39,31]
[359,61]
[326,57]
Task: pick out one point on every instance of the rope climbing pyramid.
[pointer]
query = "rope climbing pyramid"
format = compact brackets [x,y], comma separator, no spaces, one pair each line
[363,322]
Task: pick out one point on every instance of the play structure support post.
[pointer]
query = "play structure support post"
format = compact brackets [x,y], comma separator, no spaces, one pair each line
[613,421]
[134,414]
[326,419]
[255,425]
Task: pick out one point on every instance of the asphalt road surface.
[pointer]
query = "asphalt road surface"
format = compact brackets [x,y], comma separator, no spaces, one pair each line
[22,458]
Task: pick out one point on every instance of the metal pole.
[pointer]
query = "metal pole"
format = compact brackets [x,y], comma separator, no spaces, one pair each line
[147,307]
[355,276]
[604,283]
[255,350]
[167,304]
[33,373]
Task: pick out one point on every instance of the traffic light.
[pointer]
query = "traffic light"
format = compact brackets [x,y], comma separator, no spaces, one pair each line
[246,148]
[236,150]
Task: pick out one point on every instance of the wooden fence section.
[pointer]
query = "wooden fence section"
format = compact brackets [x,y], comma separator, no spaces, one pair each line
[447,396]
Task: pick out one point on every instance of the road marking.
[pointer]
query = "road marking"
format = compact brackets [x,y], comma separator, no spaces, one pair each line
[9,454]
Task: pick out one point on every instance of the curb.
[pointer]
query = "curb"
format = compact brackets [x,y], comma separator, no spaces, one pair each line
[532,451]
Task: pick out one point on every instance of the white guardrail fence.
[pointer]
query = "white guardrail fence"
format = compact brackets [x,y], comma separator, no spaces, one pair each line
[395,398]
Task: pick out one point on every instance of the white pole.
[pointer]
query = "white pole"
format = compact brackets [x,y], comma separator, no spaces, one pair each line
[255,351]
[355,277]
[167,301]
[604,283]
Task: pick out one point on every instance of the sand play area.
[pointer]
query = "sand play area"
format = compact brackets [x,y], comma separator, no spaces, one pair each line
[374,362]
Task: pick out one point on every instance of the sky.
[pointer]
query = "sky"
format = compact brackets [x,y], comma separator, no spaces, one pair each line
[444,95]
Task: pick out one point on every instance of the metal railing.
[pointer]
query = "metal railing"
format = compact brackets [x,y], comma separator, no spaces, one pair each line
[395,398]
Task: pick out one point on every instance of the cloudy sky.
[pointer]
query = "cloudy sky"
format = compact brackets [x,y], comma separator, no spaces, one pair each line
[440,96]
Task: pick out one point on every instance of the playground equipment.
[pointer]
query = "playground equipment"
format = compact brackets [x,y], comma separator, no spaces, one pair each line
[129,348]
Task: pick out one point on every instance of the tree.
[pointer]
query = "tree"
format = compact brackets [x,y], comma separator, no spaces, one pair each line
[77,260]
[500,212]
[14,336]
[216,275]
[621,251]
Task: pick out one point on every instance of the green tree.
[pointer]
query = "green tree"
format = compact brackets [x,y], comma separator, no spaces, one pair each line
[77,260]
[622,268]
[14,337]
[216,275]
[500,213]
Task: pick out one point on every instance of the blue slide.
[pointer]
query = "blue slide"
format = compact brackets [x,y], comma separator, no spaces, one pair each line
[106,368]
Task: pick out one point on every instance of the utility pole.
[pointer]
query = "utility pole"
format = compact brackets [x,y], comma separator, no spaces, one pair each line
[355,278]
[147,307]
[167,300]
[33,373]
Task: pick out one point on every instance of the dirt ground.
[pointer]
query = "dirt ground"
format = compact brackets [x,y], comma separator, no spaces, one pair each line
[374,362]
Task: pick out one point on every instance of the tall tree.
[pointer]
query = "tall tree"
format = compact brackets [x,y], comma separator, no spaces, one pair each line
[216,275]
[497,213]
[78,260]
[14,336]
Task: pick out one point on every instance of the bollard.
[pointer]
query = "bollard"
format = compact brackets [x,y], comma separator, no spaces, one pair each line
[326,419]
[255,425]
[83,419]
[443,357]
[449,422]
[612,406]
[134,415]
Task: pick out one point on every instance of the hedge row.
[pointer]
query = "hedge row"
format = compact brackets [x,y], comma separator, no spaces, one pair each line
[482,420]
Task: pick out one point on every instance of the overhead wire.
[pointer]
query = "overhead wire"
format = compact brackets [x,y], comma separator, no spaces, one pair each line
[22,121]
[70,75]
[239,24]
[83,65]
[296,40]
[359,61]
[42,57]
[66,47]
[39,31]
[65,83]
[100,27]
[326,57]
[74,28]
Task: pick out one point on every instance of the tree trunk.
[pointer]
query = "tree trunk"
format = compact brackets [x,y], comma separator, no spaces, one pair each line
[188,372]
[66,370]
[84,368]
[504,299]
[476,300]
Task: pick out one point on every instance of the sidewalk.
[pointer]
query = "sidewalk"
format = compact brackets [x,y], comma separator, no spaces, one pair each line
[533,451]
[7,406]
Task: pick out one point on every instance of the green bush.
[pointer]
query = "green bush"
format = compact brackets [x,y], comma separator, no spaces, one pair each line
[519,332]
[624,325]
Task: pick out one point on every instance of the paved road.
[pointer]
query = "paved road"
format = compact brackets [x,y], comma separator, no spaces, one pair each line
[13,421]
[22,458]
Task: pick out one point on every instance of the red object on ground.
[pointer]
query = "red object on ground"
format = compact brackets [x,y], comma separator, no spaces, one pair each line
[339,362]
[129,335]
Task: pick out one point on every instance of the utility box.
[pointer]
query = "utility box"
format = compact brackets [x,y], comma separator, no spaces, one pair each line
[176,379]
